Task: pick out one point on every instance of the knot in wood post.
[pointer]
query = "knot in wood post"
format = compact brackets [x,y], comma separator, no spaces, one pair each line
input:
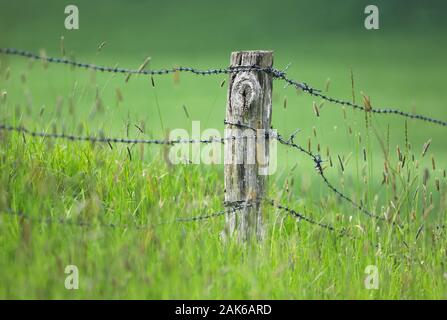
[248,119]
[244,93]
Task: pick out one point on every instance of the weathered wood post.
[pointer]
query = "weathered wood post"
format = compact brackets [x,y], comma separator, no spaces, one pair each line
[246,153]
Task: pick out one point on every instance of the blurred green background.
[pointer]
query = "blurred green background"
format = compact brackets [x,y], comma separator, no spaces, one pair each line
[401,65]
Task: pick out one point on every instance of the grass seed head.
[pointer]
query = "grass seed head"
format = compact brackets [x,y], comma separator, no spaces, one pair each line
[399,153]
[426,177]
[186,111]
[101,46]
[316,110]
[425,147]
[4,95]
[44,57]
[176,76]
[342,167]
[366,102]
[118,95]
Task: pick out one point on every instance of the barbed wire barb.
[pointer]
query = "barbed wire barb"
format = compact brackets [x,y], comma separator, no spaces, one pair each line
[277,74]
[102,139]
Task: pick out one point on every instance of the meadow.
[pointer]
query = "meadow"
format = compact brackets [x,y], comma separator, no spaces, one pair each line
[110,209]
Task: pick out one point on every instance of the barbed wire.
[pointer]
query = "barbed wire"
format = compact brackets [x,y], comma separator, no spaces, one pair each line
[376,110]
[317,161]
[300,216]
[212,71]
[289,142]
[233,209]
[213,215]
[94,139]
[80,223]
[277,74]
[271,133]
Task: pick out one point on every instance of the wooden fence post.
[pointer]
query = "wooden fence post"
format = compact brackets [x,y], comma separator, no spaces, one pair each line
[249,105]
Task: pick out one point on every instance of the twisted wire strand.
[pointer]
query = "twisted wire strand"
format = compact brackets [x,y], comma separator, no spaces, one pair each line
[300,216]
[84,224]
[233,209]
[277,74]
[317,93]
[376,110]
[317,161]
[316,158]
[213,215]
[27,54]
[59,220]
[106,139]
[130,141]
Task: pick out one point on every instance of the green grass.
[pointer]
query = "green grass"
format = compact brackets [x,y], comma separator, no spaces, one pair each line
[92,184]
[145,254]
